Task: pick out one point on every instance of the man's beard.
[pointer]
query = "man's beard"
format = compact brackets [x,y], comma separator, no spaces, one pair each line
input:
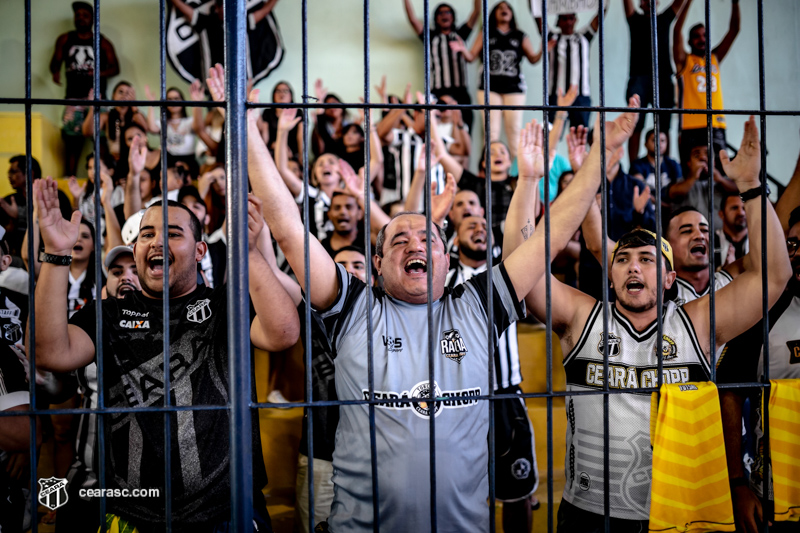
[475,255]
[636,309]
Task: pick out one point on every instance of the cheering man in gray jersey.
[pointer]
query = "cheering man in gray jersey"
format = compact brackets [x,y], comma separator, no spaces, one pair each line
[400,341]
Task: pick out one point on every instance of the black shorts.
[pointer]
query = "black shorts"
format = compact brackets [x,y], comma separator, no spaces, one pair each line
[573,519]
[643,86]
[515,453]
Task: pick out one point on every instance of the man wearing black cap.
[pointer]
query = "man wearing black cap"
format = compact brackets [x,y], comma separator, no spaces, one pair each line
[76,50]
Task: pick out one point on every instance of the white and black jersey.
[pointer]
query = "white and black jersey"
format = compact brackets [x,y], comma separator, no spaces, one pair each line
[448,67]
[506,354]
[133,374]
[505,56]
[686,292]
[400,368]
[318,205]
[569,62]
[743,361]
[13,316]
[633,363]
[14,392]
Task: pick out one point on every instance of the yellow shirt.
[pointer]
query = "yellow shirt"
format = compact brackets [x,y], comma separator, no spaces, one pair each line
[693,92]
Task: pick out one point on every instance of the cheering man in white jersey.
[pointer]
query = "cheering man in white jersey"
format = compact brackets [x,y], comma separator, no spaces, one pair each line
[133,363]
[633,349]
[400,342]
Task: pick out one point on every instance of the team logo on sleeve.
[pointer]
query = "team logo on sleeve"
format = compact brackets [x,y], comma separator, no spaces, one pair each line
[669,350]
[453,346]
[199,312]
[613,344]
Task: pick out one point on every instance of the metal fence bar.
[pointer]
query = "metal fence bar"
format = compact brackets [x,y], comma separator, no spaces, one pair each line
[241,460]
[32,253]
[307,266]
[766,480]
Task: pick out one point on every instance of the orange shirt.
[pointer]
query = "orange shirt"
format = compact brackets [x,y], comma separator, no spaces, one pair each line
[693,92]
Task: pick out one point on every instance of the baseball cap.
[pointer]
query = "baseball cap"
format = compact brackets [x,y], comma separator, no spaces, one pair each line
[130,230]
[642,237]
[112,255]
[83,5]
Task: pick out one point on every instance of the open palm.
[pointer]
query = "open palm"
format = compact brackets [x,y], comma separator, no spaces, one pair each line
[530,154]
[58,235]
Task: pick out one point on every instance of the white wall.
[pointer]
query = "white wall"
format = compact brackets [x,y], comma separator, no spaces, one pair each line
[337,54]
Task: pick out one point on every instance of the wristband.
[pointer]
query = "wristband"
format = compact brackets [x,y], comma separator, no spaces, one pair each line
[60,260]
[749,194]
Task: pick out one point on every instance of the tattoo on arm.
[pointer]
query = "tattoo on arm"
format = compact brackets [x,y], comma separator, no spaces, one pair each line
[527,230]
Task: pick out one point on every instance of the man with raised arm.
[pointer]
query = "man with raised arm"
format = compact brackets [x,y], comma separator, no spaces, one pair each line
[400,357]
[632,349]
[133,362]
[690,69]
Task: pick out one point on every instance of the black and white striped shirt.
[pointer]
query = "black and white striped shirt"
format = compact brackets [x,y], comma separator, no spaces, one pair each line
[569,62]
[448,68]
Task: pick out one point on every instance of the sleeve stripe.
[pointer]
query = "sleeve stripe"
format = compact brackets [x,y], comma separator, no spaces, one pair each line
[14,399]
[507,296]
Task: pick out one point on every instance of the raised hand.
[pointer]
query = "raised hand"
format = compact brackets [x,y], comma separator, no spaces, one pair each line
[407,99]
[640,199]
[106,187]
[381,89]
[620,130]
[216,82]
[421,159]
[576,146]
[75,188]
[58,235]
[196,91]
[566,100]
[530,154]
[458,46]
[745,168]
[288,119]
[442,203]
[137,156]
[353,183]
[148,94]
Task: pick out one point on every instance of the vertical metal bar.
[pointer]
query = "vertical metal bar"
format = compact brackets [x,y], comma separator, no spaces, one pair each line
[368,278]
[604,216]
[711,213]
[307,275]
[426,37]
[99,355]
[31,253]
[767,477]
[165,285]
[238,308]
[547,271]
[489,260]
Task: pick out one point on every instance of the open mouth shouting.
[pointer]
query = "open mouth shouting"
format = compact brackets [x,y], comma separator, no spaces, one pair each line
[416,266]
[155,265]
[698,250]
[634,286]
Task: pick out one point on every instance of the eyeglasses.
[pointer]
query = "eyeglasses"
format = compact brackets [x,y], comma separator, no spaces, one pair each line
[792,245]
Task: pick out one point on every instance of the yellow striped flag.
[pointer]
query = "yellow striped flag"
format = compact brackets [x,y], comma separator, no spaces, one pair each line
[690,490]
[784,444]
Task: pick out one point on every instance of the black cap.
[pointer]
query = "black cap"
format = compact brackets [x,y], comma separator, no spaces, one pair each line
[83,5]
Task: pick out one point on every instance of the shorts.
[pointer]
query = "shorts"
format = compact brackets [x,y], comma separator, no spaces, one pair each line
[517,474]
[643,86]
[72,121]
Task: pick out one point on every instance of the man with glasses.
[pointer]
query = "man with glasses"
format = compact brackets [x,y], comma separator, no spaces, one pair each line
[739,364]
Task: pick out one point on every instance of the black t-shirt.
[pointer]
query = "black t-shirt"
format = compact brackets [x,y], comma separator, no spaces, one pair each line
[132,331]
[79,64]
[641,52]
[501,199]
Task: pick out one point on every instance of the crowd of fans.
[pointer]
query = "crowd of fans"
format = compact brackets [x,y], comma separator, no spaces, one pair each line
[133,188]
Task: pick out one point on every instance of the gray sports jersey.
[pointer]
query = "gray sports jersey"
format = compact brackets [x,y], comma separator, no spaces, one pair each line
[632,364]
[461,364]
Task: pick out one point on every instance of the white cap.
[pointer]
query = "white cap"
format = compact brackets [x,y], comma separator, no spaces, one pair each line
[130,230]
[113,254]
